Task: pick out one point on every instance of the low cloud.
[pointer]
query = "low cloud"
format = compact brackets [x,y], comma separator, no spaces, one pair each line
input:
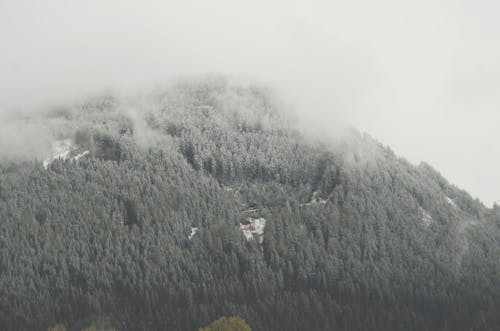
[22,139]
[403,72]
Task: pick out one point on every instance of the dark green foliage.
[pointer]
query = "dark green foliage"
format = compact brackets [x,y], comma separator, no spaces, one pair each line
[107,148]
[345,245]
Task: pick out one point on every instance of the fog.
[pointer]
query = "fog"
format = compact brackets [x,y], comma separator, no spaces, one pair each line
[422,77]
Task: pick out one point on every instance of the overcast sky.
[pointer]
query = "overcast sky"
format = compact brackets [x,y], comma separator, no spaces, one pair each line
[420,76]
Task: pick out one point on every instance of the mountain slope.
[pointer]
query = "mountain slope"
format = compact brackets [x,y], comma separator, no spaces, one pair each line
[291,232]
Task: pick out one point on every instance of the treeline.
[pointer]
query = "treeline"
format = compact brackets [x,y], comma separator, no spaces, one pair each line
[345,247]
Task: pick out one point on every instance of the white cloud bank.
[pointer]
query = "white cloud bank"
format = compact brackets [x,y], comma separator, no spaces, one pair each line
[421,76]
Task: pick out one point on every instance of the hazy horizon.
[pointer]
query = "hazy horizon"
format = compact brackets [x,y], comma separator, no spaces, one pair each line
[423,78]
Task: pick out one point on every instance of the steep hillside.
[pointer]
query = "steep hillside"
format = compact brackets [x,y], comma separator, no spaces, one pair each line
[204,200]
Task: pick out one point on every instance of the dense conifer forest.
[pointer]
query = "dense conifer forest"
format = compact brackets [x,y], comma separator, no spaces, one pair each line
[152,219]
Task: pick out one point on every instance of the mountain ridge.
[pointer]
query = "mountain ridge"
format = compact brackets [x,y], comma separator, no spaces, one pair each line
[353,236]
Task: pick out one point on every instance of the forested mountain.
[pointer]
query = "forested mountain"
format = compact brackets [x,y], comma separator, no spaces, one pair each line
[204,200]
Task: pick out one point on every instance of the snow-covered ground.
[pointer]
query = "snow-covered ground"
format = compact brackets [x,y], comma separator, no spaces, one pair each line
[254,227]
[65,150]
[451,202]
[231,189]
[193,232]
[426,217]
[79,156]
[315,200]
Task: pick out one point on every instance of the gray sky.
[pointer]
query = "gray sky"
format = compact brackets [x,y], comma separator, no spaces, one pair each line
[420,76]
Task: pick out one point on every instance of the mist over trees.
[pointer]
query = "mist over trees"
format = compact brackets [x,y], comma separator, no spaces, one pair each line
[355,237]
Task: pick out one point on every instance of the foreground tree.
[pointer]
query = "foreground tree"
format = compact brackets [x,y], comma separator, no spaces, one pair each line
[228,324]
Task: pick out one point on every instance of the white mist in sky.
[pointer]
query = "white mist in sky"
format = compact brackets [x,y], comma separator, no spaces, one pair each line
[420,76]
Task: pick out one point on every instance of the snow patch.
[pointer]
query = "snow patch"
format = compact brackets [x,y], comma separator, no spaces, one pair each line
[193,232]
[451,202]
[60,150]
[315,200]
[79,156]
[231,189]
[426,217]
[253,227]
[63,149]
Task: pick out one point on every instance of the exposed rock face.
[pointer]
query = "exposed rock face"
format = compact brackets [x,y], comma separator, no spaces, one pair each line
[253,228]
